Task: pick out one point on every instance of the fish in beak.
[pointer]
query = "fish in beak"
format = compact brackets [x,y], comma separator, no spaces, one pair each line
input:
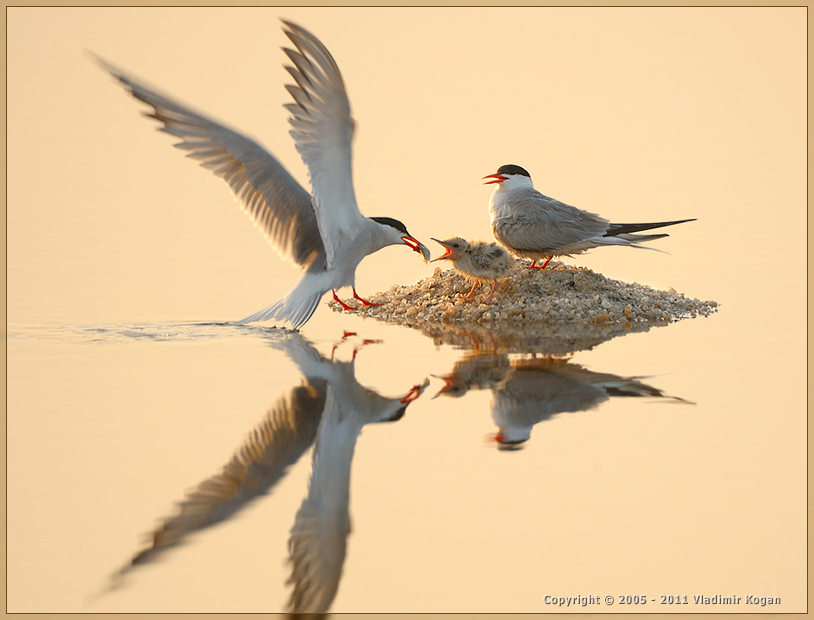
[418,247]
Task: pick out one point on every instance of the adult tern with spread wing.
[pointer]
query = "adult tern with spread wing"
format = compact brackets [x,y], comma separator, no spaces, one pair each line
[324,233]
[532,225]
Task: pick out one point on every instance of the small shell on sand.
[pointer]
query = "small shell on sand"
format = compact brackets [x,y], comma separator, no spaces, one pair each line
[558,294]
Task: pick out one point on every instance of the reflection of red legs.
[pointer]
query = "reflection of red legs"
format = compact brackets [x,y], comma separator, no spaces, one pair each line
[342,303]
[364,342]
[345,336]
[534,262]
[364,301]
[477,343]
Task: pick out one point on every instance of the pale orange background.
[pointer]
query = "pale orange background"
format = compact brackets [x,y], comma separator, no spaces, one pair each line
[639,114]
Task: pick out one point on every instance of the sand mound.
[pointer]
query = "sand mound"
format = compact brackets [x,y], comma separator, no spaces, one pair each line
[558,294]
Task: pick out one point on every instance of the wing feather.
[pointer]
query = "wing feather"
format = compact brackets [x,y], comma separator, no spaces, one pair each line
[542,224]
[322,128]
[279,206]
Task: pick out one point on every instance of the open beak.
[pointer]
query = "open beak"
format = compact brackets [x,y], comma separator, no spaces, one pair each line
[418,247]
[496,178]
[415,392]
[447,385]
[446,247]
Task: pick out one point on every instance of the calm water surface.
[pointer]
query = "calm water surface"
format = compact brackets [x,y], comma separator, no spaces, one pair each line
[162,460]
[211,467]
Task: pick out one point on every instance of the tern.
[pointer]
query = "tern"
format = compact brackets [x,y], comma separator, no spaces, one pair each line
[532,225]
[324,232]
[478,261]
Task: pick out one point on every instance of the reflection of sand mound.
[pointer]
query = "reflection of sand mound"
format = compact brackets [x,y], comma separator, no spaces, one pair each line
[558,294]
[535,338]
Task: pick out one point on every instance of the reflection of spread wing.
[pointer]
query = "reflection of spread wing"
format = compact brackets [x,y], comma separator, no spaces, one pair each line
[318,539]
[317,546]
[287,431]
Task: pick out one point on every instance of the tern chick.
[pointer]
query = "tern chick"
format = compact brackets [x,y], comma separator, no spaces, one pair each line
[324,232]
[532,225]
[478,261]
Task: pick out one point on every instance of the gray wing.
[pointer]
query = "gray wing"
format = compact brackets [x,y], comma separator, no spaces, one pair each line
[492,259]
[279,205]
[481,261]
[539,223]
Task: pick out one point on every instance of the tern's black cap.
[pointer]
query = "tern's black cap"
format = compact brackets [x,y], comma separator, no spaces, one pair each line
[512,169]
[389,221]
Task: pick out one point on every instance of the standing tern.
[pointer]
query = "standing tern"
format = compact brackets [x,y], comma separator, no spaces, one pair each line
[478,261]
[324,233]
[532,225]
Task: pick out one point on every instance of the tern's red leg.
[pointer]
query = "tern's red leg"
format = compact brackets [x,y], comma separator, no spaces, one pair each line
[364,301]
[342,303]
[472,292]
[534,262]
[492,292]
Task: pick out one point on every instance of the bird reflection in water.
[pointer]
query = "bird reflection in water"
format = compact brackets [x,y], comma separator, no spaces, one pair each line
[328,411]
[527,391]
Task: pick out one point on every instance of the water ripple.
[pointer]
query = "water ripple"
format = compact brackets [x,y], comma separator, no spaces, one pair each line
[123,332]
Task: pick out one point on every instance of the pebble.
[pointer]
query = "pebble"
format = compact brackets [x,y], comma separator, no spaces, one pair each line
[558,294]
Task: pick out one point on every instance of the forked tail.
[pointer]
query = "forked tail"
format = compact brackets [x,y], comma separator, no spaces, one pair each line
[265,314]
[619,230]
[630,241]
[295,308]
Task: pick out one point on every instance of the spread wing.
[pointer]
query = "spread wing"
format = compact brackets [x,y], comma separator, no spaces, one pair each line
[539,223]
[279,205]
[322,129]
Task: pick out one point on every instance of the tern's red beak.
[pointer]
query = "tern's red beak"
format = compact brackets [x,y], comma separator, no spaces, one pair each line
[496,178]
[412,242]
